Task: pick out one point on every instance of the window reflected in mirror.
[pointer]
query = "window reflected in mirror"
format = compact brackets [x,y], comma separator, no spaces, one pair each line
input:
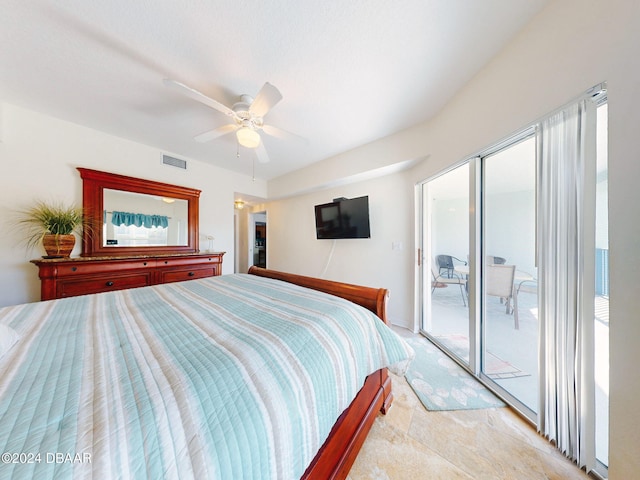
[136,219]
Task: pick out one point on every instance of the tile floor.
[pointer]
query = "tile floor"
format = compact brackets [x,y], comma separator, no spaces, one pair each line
[413,443]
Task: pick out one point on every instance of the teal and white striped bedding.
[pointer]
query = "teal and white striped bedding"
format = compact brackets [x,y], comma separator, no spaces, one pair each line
[228,377]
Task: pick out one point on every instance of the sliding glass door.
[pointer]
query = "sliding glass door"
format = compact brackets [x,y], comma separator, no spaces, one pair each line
[601,307]
[509,277]
[445,206]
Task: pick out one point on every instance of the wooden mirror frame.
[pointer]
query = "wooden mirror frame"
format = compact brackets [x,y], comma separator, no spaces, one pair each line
[93,184]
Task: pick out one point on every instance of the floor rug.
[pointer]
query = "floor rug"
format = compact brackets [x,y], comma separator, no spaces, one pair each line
[495,367]
[441,384]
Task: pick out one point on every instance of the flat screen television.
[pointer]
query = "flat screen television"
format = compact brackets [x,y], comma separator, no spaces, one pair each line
[343,218]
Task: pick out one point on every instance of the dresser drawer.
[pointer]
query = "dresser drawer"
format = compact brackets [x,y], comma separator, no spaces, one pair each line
[185,261]
[182,274]
[89,268]
[71,288]
[82,276]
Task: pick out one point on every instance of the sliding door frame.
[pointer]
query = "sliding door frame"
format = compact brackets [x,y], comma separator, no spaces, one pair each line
[511,141]
[423,264]
[475,252]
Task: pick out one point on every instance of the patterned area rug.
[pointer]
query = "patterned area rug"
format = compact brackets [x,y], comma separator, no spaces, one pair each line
[495,367]
[441,384]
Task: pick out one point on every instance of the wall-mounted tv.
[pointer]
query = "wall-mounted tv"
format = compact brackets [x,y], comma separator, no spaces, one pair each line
[343,218]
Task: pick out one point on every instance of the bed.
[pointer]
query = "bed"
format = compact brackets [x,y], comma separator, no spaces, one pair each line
[259,375]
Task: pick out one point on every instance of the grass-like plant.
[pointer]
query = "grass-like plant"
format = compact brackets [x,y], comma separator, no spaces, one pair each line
[50,218]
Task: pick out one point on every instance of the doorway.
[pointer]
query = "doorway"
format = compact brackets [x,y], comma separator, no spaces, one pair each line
[258,239]
[250,239]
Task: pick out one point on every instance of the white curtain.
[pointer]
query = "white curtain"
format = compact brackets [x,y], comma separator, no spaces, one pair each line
[566,258]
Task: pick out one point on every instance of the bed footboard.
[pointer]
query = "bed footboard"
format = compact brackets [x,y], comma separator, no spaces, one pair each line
[337,454]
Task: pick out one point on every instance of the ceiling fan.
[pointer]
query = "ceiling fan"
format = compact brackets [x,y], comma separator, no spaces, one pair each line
[247,115]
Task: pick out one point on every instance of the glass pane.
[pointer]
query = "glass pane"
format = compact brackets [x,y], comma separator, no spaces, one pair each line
[509,287]
[601,328]
[446,250]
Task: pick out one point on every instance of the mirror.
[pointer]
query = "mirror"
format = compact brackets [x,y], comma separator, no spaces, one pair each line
[137,219]
[132,216]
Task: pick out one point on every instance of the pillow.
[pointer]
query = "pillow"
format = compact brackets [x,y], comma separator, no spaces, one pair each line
[8,337]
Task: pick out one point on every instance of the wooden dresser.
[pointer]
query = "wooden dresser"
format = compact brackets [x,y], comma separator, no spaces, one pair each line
[69,277]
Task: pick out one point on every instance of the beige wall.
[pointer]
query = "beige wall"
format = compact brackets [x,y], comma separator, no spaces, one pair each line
[292,245]
[38,158]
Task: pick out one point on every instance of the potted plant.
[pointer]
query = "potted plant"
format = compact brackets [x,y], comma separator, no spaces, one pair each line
[53,224]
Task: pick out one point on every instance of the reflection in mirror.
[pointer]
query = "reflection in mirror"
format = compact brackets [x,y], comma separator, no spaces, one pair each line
[136,219]
[109,192]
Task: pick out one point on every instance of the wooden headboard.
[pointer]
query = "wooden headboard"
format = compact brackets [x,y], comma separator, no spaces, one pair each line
[374,299]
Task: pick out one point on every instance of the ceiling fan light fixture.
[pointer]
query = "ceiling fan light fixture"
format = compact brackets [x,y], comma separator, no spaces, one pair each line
[248,137]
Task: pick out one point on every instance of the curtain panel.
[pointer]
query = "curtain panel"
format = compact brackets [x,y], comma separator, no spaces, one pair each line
[139,220]
[566,260]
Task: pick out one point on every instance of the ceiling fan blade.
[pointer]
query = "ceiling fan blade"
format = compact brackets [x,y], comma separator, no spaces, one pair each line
[266,98]
[261,153]
[215,133]
[197,96]
[280,133]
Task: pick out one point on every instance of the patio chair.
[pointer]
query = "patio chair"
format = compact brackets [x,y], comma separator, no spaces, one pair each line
[499,283]
[454,279]
[528,285]
[493,260]
[446,262]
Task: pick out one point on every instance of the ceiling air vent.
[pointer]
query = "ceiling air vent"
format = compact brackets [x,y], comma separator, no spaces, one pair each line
[174,162]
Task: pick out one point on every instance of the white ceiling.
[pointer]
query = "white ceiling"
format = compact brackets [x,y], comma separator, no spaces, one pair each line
[350,71]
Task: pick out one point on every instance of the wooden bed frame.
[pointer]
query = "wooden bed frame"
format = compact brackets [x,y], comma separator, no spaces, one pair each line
[337,454]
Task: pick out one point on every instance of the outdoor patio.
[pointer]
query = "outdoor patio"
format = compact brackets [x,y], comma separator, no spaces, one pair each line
[517,348]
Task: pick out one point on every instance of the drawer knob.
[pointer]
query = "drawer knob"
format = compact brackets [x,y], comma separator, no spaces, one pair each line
[109,284]
[191,274]
[166,261]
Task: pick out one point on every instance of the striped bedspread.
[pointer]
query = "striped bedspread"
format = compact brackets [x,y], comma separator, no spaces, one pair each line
[231,377]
